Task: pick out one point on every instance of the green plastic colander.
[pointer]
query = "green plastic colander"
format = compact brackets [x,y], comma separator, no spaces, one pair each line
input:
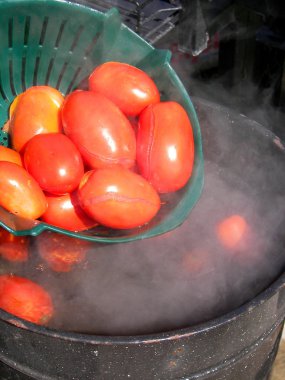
[59,43]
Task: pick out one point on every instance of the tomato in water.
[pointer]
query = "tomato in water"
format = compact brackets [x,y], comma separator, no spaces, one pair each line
[195,261]
[118,198]
[101,132]
[8,154]
[33,112]
[232,231]
[55,162]
[165,146]
[130,88]
[65,212]
[19,192]
[61,253]
[25,299]
[13,248]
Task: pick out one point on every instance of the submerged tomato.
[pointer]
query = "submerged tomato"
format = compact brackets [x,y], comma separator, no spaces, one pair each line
[13,248]
[118,198]
[195,261]
[7,154]
[19,192]
[55,162]
[65,212]
[130,88]
[25,299]
[232,231]
[165,146]
[101,132]
[33,112]
[61,252]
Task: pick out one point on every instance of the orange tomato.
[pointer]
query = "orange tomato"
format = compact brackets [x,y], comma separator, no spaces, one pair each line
[33,112]
[25,299]
[14,104]
[19,192]
[13,248]
[7,154]
[232,230]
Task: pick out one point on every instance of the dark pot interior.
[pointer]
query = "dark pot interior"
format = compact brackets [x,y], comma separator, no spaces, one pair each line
[172,306]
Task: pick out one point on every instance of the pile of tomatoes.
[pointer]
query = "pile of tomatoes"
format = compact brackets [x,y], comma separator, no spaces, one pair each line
[100,156]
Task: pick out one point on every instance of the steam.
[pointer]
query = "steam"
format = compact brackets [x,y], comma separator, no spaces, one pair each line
[188,276]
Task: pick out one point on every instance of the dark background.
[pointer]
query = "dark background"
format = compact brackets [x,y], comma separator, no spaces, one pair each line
[228,51]
[242,64]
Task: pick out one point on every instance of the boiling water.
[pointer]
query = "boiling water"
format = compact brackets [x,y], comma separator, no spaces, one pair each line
[227,251]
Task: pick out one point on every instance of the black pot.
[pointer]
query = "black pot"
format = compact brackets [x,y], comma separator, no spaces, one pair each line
[240,345]
[234,335]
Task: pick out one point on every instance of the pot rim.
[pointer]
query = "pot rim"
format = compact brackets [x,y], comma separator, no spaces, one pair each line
[150,338]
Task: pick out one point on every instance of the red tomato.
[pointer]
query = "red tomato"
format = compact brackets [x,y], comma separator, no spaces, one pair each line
[165,146]
[13,248]
[101,132]
[232,230]
[61,252]
[118,198]
[7,154]
[19,192]
[55,162]
[32,112]
[65,212]
[25,299]
[130,88]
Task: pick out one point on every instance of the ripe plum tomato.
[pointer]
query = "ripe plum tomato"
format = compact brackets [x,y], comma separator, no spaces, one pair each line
[165,146]
[130,88]
[19,192]
[25,299]
[7,154]
[34,111]
[55,162]
[65,212]
[61,252]
[118,198]
[13,248]
[101,132]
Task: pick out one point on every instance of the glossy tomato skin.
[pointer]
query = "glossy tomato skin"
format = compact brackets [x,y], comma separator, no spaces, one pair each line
[25,299]
[130,88]
[118,198]
[33,112]
[61,253]
[8,154]
[19,192]
[101,132]
[13,248]
[165,146]
[55,162]
[65,212]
